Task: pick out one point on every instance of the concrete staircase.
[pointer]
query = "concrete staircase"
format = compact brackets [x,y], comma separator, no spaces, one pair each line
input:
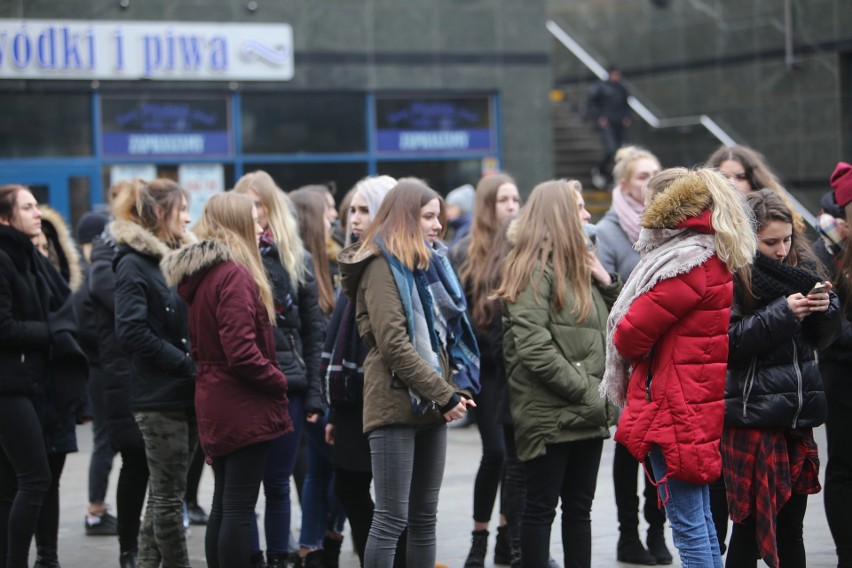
[577,148]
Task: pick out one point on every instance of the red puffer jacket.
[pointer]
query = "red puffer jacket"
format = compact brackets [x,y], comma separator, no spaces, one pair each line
[685,320]
[240,394]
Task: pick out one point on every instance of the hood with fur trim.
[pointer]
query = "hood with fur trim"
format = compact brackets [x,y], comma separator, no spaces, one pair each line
[142,240]
[181,267]
[684,204]
[352,261]
[63,252]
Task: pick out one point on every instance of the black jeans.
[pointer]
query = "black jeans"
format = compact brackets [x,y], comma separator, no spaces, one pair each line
[624,472]
[838,480]
[353,492]
[130,496]
[24,477]
[493,453]
[237,479]
[743,553]
[193,477]
[47,529]
[513,494]
[568,471]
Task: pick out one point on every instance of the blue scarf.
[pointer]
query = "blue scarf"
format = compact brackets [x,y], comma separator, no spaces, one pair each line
[435,309]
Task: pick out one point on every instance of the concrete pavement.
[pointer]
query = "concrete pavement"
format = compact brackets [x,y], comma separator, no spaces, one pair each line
[454,517]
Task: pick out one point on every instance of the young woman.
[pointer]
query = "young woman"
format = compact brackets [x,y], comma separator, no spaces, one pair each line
[833,248]
[343,369]
[421,369]
[151,326]
[241,395]
[298,342]
[615,236]
[557,298]
[497,200]
[670,327]
[746,169]
[774,395]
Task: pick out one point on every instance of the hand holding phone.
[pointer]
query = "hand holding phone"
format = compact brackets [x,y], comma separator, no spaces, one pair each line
[818,287]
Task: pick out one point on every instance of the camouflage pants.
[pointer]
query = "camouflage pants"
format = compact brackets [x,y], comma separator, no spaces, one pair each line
[170,441]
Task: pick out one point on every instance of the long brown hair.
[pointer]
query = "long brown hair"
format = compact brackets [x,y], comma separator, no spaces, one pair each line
[151,205]
[550,233]
[484,308]
[310,208]
[483,228]
[398,223]
[228,218]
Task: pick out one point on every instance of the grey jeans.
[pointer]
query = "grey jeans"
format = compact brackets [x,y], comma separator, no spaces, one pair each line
[408,467]
[170,441]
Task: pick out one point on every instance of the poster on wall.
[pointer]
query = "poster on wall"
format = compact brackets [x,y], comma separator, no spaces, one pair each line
[165,126]
[201,181]
[434,124]
[130,172]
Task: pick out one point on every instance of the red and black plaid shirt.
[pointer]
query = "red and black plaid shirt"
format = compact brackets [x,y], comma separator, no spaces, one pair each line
[762,468]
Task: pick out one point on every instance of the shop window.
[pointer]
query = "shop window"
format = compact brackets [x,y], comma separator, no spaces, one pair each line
[41,125]
[441,175]
[303,123]
[293,176]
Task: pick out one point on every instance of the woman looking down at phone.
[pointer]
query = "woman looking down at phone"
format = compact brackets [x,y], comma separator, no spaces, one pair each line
[774,395]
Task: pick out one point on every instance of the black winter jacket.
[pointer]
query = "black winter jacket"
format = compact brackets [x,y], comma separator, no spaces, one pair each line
[24,334]
[835,361]
[122,428]
[300,329]
[773,380]
[151,323]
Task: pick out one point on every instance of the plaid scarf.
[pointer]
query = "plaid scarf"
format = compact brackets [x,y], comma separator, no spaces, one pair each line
[435,309]
[762,468]
[342,359]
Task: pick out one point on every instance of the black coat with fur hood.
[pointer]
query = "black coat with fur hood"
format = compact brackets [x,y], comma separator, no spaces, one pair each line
[151,323]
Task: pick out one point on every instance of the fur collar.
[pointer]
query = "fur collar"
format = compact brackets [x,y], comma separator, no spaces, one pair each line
[352,261]
[182,264]
[685,198]
[66,250]
[142,240]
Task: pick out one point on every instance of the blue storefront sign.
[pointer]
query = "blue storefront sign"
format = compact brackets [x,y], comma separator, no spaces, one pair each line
[161,127]
[434,124]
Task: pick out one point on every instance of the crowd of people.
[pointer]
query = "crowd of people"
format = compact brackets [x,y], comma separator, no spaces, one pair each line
[695,317]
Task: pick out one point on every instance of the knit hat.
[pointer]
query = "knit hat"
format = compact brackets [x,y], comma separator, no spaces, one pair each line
[841,181]
[90,226]
[462,197]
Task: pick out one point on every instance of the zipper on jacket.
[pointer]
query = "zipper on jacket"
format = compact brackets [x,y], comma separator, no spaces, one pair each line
[749,384]
[296,351]
[799,385]
[23,357]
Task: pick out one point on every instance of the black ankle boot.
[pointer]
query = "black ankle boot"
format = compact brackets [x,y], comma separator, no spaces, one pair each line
[657,545]
[478,548]
[630,550]
[256,560]
[277,560]
[46,558]
[128,559]
[312,560]
[503,546]
[331,552]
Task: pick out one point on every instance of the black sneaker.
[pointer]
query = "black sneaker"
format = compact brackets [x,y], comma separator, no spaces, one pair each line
[105,525]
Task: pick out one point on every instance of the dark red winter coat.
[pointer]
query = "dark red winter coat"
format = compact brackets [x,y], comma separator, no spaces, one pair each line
[240,394]
[685,320]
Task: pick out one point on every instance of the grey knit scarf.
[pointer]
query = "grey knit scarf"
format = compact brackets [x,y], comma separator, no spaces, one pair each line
[666,253]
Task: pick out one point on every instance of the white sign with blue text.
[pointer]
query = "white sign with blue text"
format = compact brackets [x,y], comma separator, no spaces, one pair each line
[112,50]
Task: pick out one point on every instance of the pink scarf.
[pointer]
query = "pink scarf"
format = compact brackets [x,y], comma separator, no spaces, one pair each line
[629,213]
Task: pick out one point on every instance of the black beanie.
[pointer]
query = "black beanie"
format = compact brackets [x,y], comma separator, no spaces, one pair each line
[90,226]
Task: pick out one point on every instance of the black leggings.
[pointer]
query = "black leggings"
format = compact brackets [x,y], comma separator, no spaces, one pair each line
[742,550]
[47,529]
[237,478]
[24,477]
[130,496]
[490,471]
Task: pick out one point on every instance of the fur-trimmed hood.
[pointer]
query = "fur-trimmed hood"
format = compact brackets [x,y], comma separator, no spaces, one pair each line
[63,251]
[183,264]
[352,261]
[143,241]
[684,200]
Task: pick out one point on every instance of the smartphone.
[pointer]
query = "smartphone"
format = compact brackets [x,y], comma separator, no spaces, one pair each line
[818,287]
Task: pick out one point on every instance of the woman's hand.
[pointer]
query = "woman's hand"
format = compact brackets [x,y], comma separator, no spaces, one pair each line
[329,434]
[820,301]
[799,305]
[459,410]
[599,273]
[312,417]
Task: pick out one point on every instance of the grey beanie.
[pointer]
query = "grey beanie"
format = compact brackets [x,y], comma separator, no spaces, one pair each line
[462,197]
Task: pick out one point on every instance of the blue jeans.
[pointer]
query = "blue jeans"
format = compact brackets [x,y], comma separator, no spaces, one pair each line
[321,510]
[276,482]
[688,511]
[408,467]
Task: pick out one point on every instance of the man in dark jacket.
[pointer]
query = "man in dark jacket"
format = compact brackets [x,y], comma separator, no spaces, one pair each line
[607,106]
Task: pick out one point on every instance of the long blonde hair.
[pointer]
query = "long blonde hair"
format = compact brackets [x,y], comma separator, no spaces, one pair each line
[311,208]
[549,232]
[283,223]
[731,218]
[228,217]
